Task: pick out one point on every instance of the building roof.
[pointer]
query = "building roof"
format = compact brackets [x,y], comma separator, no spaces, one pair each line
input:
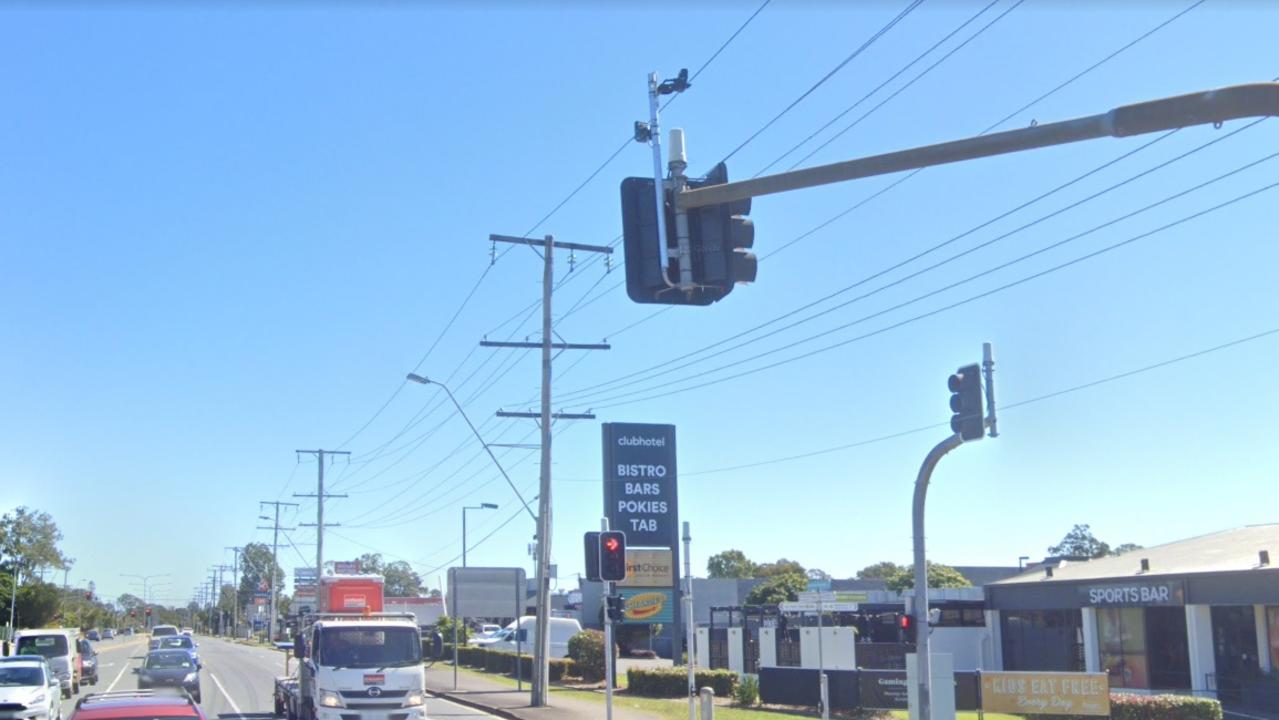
[986,574]
[1234,550]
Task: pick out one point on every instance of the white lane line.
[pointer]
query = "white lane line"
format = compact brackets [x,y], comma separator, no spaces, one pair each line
[469,710]
[225,694]
[124,666]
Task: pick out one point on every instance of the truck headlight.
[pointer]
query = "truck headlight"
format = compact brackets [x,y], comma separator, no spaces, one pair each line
[328,698]
[414,698]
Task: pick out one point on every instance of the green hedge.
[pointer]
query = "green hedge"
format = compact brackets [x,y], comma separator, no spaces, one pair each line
[673,682]
[504,662]
[587,651]
[1124,706]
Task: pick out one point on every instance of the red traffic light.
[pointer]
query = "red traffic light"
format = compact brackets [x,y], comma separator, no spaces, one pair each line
[133,613]
[906,621]
[88,596]
[148,611]
[612,544]
[612,556]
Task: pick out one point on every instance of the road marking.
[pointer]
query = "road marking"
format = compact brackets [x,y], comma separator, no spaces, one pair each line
[125,666]
[225,694]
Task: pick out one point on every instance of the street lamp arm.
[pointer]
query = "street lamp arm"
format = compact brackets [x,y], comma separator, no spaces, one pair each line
[424,381]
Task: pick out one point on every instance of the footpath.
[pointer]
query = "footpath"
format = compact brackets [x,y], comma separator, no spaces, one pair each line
[498,698]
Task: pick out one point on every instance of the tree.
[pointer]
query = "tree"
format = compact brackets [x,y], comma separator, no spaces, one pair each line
[399,580]
[817,574]
[781,567]
[730,564]
[30,538]
[371,563]
[257,563]
[1126,547]
[778,589]
[1080,542]
[939,576]
[37,604]
[129,601]
[879,571]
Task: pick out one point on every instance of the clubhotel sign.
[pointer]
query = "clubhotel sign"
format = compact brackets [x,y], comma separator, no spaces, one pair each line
[1045,693]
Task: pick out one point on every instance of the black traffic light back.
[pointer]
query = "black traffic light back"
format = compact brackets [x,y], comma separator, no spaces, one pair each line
[966,402]
[612,556]
[593,556]
[615,606]
[719,239]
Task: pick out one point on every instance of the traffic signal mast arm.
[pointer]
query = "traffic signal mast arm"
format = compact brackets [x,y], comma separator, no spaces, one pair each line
[1209,106]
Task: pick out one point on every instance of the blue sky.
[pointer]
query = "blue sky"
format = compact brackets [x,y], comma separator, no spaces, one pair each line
[228,231]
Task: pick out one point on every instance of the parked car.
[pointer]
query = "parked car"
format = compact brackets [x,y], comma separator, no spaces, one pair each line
[136,704]
[60,647]
[93,635]
[180,642]
[29,683]
[108,634]
[188,632]
[169,668]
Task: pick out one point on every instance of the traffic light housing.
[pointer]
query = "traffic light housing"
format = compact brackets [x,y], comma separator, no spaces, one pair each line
[615,606]
[719,240]
[966,402]
[593,556]
[148,612]
[612,556]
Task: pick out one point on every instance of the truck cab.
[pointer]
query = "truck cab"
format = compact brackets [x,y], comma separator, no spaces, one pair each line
[356,663]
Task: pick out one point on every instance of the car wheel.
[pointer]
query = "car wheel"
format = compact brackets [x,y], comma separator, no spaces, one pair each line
[196,696]
[75,687]
[66,693]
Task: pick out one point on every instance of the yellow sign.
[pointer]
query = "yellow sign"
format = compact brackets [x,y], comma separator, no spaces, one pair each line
[648,568]
[1046,693]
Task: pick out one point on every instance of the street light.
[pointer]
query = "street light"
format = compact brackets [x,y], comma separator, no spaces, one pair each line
[426,381]
[481,506]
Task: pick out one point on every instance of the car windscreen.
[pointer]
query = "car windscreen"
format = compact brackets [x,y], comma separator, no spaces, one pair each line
[49,646]
[21,676]
[168,660]
[177,641]
[362,647]
[159,630]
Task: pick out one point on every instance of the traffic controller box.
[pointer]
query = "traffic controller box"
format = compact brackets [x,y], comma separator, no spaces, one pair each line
[351,593]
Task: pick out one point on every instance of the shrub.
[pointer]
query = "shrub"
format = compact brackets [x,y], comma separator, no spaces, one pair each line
[444,626]
[1124,706]
[746,692]
[673,682]
[587,651]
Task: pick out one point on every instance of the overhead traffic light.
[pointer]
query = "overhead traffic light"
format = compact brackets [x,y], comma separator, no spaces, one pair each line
[719,240]
[593,556]
[966,402]
[148,612]
[88,595]
[612,556]
[615,606]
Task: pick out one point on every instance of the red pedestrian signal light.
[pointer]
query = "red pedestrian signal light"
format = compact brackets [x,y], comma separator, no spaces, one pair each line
[905,622]
[612,556]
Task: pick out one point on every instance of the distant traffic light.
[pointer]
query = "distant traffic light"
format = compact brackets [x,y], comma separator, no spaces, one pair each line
[719,240]
[615,607]
[148,612]
[593,556]
[133,613]
[966,402]
[88,595]
[612,556]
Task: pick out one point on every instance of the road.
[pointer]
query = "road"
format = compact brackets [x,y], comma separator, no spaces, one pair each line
[236,681]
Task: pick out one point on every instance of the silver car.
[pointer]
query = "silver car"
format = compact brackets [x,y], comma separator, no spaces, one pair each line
[29,690]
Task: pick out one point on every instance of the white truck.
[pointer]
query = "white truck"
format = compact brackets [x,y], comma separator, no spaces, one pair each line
[357,663]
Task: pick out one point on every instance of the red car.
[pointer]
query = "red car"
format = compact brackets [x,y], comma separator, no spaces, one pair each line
[136,705]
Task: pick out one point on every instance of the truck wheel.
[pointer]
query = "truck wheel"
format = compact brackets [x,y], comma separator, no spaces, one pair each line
[75,687]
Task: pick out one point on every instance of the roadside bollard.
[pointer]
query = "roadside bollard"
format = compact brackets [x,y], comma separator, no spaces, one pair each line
[707,696]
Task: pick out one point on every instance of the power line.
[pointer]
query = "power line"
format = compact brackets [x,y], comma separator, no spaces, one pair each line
[933,312]
[862,48]
[656,370]
[1003,407]
[883,84]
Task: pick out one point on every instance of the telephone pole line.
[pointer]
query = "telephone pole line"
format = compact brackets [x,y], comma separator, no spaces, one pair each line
[275,558]
[235,582]
[319,506]
[541,646]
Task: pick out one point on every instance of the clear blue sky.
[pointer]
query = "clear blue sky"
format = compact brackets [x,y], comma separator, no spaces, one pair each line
[228,231]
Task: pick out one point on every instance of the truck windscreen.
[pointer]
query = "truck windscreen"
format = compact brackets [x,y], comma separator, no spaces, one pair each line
[364,647]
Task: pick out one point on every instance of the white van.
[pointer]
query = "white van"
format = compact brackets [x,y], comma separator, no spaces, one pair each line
[522,632]
[59,647]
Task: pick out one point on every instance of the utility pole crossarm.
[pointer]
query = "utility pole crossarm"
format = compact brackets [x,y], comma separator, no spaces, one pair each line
[539,242]
[538,345]
[1200,108]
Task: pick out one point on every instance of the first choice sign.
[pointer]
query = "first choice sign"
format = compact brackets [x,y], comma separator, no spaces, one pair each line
[640,483]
